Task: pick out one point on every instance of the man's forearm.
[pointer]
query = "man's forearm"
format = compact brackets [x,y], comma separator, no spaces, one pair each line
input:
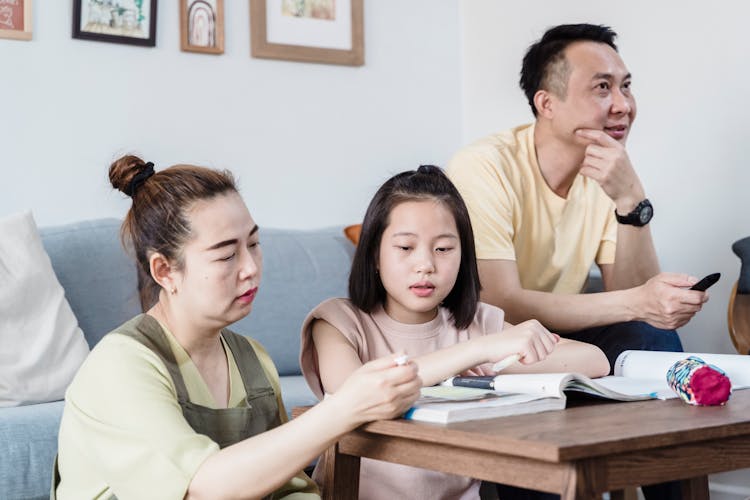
[635,258]
[566,313]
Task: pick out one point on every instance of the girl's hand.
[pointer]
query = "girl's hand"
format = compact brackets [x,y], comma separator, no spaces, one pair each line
[529,339]
[377,390]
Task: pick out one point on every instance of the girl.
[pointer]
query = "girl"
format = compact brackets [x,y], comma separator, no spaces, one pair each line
[414,286]
[172,405]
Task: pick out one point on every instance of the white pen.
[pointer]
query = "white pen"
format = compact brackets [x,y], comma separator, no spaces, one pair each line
[506,362]
[401,360]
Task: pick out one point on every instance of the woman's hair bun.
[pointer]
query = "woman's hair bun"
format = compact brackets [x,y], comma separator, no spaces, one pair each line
[123,171]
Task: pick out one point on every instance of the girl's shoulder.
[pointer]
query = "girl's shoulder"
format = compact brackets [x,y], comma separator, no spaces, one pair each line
[336,304]
[340,312]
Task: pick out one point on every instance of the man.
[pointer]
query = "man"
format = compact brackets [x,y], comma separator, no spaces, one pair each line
[548,199]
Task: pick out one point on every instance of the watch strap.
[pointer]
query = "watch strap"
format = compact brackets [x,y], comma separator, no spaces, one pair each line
[639,216]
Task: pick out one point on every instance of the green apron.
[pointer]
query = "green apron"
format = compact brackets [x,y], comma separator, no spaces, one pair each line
[224,426]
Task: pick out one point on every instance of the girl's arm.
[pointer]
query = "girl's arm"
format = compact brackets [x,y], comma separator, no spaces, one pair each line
[541,351]
[259,465]
[568,356]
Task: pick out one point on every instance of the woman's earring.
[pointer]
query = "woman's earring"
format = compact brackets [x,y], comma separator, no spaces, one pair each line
[173,291]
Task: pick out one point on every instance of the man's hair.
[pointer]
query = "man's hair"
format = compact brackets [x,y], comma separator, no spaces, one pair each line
[427,183]
[544,65]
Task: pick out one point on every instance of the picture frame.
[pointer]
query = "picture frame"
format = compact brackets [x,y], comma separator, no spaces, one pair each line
[15,20]
[131,22]
[202,26]
[319,31]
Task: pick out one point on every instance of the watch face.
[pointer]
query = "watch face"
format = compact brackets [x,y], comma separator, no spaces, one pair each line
[646,213]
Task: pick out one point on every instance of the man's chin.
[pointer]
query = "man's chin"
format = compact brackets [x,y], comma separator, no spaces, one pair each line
[620,136]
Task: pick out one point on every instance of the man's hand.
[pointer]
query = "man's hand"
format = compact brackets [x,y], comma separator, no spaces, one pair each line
[606,161]
[665,302]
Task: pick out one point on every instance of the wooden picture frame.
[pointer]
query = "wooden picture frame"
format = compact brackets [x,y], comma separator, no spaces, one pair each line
[202,26]
[320,31]
[107,22]
[15,20]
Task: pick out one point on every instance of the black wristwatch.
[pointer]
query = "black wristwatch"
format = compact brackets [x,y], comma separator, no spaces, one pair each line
[640,216]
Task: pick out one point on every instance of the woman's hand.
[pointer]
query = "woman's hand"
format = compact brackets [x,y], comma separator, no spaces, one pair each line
[532,341]
[259,465]
[377,390]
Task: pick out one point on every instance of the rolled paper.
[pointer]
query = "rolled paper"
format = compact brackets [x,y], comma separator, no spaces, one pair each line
[698,383]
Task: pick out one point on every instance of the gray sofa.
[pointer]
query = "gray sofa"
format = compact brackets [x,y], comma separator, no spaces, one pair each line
[301,269]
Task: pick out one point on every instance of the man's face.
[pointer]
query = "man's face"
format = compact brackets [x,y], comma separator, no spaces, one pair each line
[598,94]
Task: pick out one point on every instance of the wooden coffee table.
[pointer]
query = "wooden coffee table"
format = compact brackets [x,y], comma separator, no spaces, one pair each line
[579,452]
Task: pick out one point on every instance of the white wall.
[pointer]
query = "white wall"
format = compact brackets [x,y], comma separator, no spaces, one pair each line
[309,142]
[690,141]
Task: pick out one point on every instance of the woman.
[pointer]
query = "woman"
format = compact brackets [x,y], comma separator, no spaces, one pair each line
[173,405]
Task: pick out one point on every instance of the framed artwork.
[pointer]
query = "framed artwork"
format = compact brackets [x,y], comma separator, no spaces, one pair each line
[118,21]
[202,26]
[15,19]
[323,31]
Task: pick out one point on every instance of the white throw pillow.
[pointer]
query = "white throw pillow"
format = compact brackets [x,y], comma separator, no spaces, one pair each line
[41,345]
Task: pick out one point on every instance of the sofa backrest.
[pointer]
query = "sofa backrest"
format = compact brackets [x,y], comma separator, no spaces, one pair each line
[300,270]
[98,277]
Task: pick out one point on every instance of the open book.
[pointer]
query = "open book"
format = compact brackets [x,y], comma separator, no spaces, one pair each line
[638,375]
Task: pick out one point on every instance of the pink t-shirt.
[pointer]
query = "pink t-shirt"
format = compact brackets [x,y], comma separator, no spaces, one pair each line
[376,335]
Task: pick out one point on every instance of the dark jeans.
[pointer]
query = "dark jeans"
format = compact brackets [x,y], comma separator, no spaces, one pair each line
[614,339]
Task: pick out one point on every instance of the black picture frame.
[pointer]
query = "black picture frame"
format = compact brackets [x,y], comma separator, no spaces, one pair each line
[114,32]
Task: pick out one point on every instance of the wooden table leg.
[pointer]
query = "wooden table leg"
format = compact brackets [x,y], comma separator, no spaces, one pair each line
[340,475]
[581,482]
[695,488]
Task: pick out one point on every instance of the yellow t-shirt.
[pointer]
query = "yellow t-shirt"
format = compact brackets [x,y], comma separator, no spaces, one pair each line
[123,432]
[516,216]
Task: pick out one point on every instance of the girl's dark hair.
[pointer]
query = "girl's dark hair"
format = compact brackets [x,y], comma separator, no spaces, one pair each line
[549,51]
[158,219]
[428,182]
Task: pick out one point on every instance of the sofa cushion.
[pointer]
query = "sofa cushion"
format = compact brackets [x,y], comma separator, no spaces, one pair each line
[98,276]
[28,444]
[300,270]
[41,346]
